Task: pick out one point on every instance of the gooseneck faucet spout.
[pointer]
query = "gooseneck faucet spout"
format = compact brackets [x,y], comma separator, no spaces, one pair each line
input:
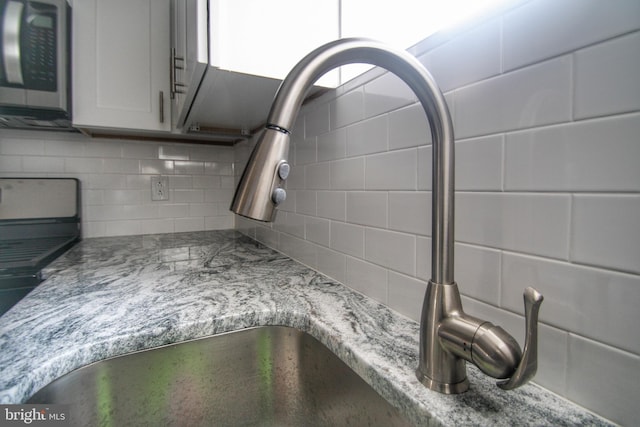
[448,337]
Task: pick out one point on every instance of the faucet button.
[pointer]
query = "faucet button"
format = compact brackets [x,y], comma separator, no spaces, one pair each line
[283,170]
[278,196]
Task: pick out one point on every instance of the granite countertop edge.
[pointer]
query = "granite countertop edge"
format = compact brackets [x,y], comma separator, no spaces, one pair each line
[112,296]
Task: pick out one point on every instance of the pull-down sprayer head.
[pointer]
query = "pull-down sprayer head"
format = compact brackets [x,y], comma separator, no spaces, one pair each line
[260,189]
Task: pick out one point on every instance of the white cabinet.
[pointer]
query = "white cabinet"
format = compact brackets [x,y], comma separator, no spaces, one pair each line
[120,66]
[235,55]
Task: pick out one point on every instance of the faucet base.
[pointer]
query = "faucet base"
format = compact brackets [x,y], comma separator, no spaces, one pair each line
[439,369]
[446,388]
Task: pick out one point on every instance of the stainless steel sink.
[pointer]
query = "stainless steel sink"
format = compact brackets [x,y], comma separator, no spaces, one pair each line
[268,376]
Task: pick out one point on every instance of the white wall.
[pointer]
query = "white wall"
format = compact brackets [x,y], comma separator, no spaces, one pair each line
[115,180]
[546,105]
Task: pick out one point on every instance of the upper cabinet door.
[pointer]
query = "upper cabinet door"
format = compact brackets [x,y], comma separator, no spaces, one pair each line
[120,64]
[190,54]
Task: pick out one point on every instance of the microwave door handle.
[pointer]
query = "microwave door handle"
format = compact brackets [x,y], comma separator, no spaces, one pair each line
[11,42]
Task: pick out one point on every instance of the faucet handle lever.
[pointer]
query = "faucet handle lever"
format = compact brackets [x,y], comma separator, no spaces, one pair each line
[529,362]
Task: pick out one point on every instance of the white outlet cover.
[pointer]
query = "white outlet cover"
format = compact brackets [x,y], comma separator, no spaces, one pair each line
[159,188]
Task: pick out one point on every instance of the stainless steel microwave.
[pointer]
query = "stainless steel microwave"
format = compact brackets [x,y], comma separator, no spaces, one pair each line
[34,64]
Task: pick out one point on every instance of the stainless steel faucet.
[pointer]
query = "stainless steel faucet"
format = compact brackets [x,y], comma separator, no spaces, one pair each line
[448,336]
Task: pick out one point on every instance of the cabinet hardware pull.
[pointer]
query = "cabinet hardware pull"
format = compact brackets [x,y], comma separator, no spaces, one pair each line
[161,100]
[172,73]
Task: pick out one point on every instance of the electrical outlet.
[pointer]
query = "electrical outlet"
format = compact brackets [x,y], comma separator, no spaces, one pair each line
[159,187]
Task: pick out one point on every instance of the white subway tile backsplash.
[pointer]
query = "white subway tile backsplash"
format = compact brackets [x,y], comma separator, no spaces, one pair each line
[306,202]
[211,153]
[104,148]
[532,223]
[224,195]
[302,250]
[317,120]
[543,29]
[406,295]
[66,148]
[606,231]
[173,210]
[195,181]
[396,251]
[133,150]
[42,164]
[10,164]
[570,157]
[424,168]
[134,181]
[332,205]
[318,175]
[92,197]
[332,145]
[228,182]
[218,222]
[318,230]
[366,137]
[533,96]
[606,77]
[136,211]
[604,379]
[408,127]
[188,167]
[423,257]
[156,167]
[410,211]
[290,223]
[121,197]
[367,208]
[347,174]
[119,165]
[19,146]
[553,350]
[477,271]
[289,203]
[115,176]
[306,151]
[157,226]
[479,164]
[189,224]
[367,278]
[347,238]
[332,263]
[475,56]
[122,228]
[386,93]
[296,178]
[218,168]
[267,235]
[346,109]
[187,196]
[203,209]
[83,165]
[248,227]
[173,152]
[395,170]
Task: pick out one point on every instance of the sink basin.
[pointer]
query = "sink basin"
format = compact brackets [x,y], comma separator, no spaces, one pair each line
[266,376]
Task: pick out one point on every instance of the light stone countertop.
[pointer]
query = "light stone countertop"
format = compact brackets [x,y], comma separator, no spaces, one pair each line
[111,296]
